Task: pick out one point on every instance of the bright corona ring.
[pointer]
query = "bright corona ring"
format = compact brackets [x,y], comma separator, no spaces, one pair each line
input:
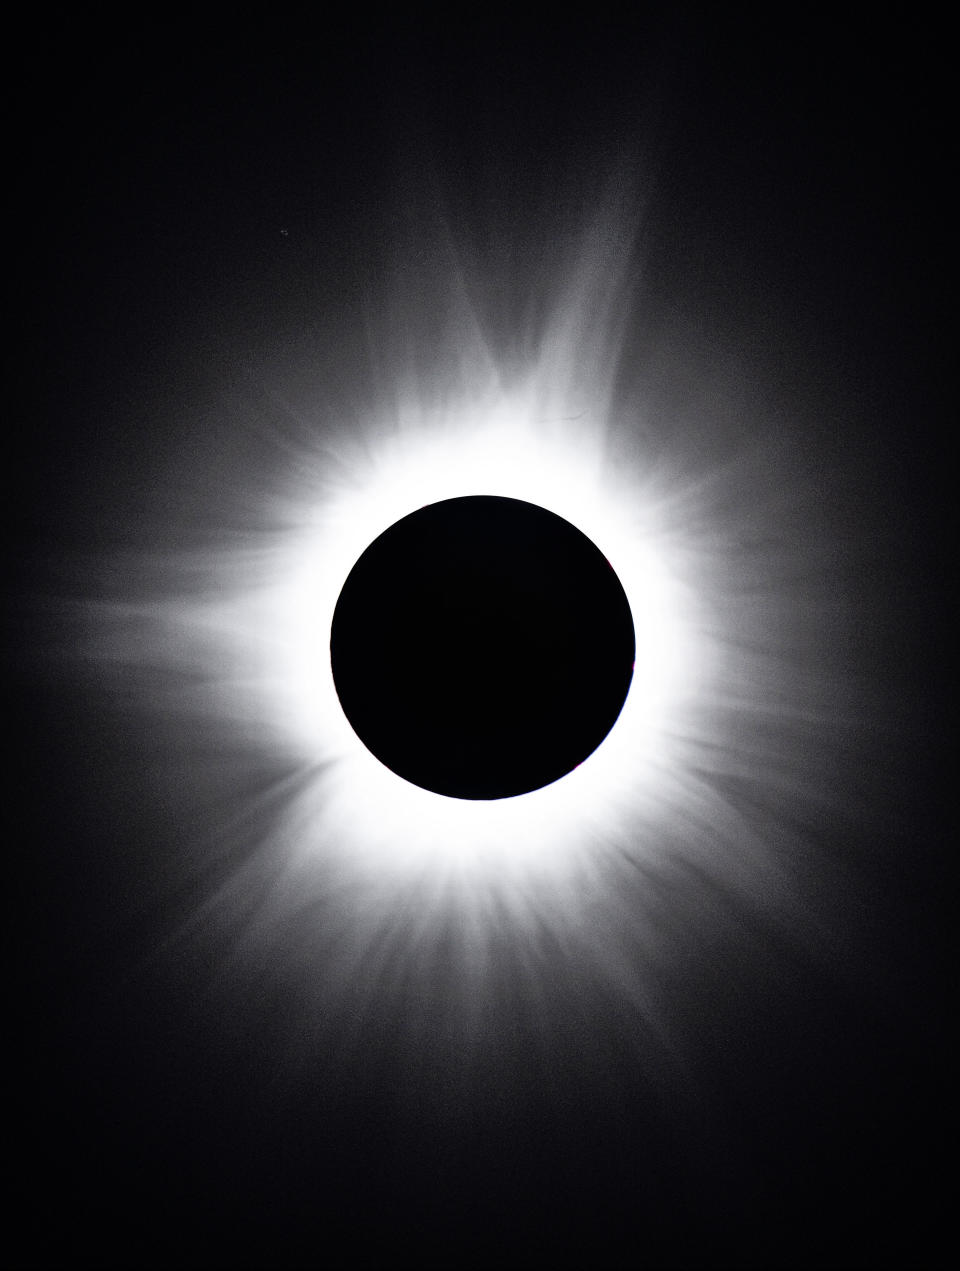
[357,814]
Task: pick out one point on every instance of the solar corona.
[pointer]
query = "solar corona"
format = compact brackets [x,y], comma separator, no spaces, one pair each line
[479,647]
[475,619]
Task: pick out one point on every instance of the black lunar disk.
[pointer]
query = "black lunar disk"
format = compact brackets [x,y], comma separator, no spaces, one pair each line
[482,647]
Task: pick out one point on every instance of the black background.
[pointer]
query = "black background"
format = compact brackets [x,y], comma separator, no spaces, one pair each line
[179,197]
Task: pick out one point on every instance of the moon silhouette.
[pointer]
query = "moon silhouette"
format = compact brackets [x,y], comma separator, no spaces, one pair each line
[482,647]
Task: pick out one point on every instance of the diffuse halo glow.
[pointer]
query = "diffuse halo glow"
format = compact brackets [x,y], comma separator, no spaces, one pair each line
[704,801]
[488,447]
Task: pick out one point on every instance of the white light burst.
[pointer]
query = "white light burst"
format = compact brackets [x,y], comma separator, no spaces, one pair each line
[382,823]
[698,806]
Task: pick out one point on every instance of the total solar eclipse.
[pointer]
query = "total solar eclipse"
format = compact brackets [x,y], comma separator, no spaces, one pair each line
[482,647]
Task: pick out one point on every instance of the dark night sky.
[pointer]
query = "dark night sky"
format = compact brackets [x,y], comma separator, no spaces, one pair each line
[183,206]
